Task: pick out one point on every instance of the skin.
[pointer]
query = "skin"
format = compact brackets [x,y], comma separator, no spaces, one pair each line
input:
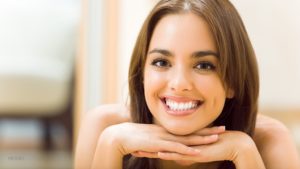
[175,72]
[271,137]
[180,141]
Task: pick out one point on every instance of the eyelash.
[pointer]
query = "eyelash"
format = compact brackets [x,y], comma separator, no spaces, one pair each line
[206,66]
[203,65]
[158,63]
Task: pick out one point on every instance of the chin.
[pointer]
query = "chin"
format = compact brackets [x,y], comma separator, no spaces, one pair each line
[179,130]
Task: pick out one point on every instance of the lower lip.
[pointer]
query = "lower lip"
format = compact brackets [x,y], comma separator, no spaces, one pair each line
[179,113]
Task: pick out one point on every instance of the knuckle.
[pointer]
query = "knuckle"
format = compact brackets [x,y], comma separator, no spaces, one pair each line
[180,147]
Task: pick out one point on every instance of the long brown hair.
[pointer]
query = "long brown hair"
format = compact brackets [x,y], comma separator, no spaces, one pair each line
[237,59]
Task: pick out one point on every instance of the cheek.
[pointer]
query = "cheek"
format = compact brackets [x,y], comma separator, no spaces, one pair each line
[153,80]
[153,83]
[212,89]
[210,84]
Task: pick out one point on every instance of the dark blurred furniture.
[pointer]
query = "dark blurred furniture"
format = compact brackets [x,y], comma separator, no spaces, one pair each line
[37,53]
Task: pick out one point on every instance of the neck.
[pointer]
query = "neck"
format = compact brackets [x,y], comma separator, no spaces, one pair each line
[164,164]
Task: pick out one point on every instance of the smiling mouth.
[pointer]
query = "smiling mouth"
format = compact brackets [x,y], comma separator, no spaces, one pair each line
[182,107]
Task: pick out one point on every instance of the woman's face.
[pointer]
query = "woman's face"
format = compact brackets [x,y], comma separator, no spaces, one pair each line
[182,87]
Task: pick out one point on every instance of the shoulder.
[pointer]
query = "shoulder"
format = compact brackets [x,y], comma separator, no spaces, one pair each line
[270,133]
[268,128]
[274,142]
[109,114]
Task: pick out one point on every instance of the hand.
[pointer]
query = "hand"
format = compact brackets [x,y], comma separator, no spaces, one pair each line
[151,139]
[232,145]
[207,136]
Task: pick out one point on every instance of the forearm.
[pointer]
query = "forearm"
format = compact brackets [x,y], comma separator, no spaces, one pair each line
[249,158]
[94,122]
[108,154]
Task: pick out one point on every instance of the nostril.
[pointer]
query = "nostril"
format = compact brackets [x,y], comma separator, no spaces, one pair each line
[180,84]
[180,89]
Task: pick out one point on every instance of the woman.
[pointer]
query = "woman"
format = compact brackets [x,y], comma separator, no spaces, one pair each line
[193,84]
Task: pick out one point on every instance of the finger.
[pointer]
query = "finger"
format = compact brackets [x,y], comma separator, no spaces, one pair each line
[211,131]
[200,158]
[144,154]
[174,156]
[170,146]
[181,157]
[196,139]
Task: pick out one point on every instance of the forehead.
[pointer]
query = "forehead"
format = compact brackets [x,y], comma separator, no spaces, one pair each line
[185,31]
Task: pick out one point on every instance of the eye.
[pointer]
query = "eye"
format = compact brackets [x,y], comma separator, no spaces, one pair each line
[205,66]
[161,63]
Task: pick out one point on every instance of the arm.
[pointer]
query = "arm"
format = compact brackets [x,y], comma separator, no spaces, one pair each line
[233,146]
[271,147]
[275,144]
[108,154]
[106,136]
[93,123]
[247,155]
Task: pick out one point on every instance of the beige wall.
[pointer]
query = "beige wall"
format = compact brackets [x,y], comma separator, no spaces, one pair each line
[274,28]
[132,16]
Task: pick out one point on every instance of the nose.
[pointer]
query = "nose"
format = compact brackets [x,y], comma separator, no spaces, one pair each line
[180,80]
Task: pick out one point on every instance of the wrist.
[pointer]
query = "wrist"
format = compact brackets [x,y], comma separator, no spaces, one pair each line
[111,139]
[107,154]
[247,155]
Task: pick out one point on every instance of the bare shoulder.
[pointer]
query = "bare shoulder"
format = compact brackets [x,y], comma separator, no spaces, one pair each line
[269,128]
[274,142]
[108,114]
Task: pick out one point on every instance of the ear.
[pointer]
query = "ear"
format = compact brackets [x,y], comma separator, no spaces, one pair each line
[229,93]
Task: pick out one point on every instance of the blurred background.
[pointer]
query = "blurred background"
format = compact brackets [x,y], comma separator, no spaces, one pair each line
[60,58]
[38,49]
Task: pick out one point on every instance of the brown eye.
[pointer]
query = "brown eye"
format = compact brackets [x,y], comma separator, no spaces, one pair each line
[205,66]
[161,63]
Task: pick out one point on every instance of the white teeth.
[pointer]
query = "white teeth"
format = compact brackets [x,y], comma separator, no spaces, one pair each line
[175,106]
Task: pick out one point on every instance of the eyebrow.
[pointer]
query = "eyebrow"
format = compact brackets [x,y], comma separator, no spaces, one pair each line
[196,54]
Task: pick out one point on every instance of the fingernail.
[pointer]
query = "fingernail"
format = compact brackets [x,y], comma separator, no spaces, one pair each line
[222,127]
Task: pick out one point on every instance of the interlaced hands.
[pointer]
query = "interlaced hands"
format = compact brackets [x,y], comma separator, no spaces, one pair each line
[205,145]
